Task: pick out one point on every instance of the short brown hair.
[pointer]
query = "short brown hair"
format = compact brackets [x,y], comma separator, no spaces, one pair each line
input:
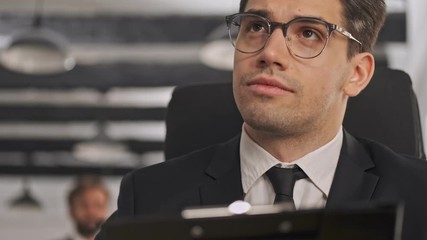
[362,18]
[84,183]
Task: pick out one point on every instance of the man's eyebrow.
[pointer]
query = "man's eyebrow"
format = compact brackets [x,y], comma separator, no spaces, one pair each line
[262,13]
[267,14]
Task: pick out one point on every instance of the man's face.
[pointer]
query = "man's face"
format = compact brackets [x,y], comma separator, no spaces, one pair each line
[281,94]
[89,210]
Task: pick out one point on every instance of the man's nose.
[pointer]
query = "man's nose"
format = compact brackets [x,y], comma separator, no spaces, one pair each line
[275,51]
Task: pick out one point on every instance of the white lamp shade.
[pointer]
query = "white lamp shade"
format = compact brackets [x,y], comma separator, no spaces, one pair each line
[37,51]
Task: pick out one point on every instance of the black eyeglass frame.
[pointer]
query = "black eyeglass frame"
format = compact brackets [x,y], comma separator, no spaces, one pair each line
[284,26]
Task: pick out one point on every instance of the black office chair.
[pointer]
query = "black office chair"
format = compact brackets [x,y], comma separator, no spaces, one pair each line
[386,111]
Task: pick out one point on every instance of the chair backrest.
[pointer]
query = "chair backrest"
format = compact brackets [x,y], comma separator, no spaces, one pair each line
[386,111]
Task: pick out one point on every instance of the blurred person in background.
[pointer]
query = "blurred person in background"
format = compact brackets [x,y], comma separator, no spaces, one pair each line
[88,202]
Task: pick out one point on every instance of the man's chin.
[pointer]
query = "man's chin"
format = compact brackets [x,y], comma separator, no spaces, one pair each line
[88,230]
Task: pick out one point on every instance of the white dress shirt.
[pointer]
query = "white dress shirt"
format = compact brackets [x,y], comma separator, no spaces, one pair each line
[311,192]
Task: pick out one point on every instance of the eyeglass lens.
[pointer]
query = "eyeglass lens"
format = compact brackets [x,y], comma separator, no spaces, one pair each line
[304,37]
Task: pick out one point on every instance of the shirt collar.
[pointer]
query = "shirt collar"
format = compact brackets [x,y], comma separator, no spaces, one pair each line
[319,165]
[255,161]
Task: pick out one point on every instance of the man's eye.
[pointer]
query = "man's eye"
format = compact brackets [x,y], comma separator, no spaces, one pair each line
[308,34]
[257,27]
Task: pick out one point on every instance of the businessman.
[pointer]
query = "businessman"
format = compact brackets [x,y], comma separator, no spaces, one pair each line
[88,203]
[296,64]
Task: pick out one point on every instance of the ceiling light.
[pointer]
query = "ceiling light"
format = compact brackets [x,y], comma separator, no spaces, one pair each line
[37,50]
[217,53]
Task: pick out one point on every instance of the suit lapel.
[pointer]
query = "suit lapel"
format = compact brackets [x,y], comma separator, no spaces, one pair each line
[352,182]
[224,185]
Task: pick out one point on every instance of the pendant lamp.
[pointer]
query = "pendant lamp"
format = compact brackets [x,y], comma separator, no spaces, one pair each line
[37,50]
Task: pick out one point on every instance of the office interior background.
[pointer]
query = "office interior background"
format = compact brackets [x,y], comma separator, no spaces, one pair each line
[106,115]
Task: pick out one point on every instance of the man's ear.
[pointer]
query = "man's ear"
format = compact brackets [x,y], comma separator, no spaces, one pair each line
[359,78]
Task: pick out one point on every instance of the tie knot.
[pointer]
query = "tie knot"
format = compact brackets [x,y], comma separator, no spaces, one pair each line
[283,181]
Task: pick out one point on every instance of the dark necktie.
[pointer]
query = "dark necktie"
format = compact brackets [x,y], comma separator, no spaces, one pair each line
[283,181]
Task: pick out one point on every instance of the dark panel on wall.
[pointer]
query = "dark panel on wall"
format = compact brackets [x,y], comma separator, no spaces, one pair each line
[167,29]
[105,76]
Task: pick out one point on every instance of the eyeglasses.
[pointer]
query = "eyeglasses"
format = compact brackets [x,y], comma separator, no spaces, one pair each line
[305,37]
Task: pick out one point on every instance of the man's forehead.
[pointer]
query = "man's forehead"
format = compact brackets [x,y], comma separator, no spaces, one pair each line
[285,10]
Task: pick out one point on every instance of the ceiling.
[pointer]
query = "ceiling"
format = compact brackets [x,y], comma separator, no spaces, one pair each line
[118,30]
[136,7]
[146,7]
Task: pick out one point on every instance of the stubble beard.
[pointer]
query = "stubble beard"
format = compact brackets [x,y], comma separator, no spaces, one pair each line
[290,121]
[289,124]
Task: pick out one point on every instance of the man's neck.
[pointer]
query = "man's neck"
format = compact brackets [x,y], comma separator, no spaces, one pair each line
[288,148]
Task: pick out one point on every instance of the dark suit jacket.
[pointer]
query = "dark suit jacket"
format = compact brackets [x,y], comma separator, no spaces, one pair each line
[366,172]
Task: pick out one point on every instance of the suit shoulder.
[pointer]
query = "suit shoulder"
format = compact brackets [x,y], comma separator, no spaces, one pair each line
[170,186]
[190,164]
[386,158]
[194,159]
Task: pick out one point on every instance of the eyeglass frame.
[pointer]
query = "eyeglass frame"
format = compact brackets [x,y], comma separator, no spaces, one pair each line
[284,26]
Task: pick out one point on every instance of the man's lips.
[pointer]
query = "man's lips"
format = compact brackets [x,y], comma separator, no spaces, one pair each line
[268,86]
